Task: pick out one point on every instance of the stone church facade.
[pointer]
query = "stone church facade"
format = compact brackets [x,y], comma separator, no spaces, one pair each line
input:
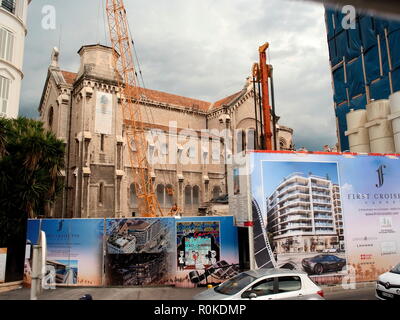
[82,109]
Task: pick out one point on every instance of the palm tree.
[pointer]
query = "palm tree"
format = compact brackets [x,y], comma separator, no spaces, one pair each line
[30,166]
[4,128]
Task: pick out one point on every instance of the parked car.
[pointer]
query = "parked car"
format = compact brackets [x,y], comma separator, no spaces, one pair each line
[265,284]
[388,285]
[323,263]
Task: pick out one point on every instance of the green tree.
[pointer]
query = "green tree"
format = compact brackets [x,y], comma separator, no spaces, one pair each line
[31,160]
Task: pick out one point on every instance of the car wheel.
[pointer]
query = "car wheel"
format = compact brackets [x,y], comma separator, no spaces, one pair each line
[289,266]
[318,269]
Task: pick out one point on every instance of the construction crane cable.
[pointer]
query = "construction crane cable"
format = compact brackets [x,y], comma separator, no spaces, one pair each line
[166,177]
[127,83]
[149,113]
[104,23]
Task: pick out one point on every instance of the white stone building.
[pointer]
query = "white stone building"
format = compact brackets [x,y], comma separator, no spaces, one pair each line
[304,214]
[13,16]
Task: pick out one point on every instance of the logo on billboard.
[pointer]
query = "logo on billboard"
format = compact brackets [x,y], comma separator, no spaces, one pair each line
[380,176]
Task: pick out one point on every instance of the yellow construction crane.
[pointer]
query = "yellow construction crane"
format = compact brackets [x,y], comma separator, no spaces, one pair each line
[130,94]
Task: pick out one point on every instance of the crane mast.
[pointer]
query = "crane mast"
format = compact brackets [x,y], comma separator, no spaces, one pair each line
[264,76]
[130,92]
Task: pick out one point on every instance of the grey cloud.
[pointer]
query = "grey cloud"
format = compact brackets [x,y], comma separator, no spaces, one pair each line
[205,50]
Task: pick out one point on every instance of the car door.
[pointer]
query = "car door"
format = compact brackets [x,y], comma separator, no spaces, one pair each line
[264,289]
[329,263]
[339,263]
[288,288]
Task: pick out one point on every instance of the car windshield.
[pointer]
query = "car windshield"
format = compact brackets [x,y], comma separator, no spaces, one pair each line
[235,285]
[396,269]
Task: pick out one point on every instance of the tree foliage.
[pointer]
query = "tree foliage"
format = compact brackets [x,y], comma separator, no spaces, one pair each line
[31,160]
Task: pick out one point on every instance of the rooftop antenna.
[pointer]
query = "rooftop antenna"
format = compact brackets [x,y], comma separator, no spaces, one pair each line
[60,38]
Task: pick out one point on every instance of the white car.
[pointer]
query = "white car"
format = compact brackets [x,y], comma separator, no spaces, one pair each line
[388,285]
[265,284]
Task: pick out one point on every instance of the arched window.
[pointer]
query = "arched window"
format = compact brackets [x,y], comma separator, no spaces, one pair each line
[240,140]
[169,196]
[101,193]
[192,197]
[7,39]
[282,144]
[251,137]
[196,195]
[216,192]
[188,195]
[50,117]
[5,85]
[132,196]
[161,195]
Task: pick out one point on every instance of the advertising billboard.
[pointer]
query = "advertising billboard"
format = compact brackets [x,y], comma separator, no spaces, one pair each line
[140,251]
[330,215]
[137,251]
[74,249]
[202,242]
[104,113]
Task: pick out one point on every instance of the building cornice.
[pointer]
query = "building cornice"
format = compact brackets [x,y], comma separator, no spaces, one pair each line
[12,66]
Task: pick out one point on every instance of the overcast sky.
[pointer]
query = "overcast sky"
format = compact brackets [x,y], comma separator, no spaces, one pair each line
[202,49]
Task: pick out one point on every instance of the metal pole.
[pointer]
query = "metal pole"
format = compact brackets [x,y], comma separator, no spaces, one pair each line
[261,118]
[273,109]
[35,272]
[256,113]
[264,72]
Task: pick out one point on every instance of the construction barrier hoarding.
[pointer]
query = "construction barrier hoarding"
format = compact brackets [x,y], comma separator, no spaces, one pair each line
[137,251]
[337,217]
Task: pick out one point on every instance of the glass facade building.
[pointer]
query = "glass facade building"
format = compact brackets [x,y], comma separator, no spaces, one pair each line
[365,63]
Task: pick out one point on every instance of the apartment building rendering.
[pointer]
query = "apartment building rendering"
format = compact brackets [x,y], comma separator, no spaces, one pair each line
[304,214]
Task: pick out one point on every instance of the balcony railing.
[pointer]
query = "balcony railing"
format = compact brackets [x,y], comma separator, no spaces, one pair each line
[321,201]
[295,209]
[324,224]
[315,185]
[325,194]
[291,226]
[295,218]
[8,5]
[295,193]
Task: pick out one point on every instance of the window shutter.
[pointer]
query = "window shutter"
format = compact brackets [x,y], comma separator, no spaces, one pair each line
[6,44]
[4,94]
[3,36]
[10,47]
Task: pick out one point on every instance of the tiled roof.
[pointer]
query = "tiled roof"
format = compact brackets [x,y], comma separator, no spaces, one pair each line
[226,101]
[163,97]
[69,77]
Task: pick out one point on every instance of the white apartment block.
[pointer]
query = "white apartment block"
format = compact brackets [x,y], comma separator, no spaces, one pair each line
[304,214]
[13,16]
[337,207]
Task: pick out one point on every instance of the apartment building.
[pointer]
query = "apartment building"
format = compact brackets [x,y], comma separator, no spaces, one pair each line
[365,63]
[304,214]
[13,16]
[337,207]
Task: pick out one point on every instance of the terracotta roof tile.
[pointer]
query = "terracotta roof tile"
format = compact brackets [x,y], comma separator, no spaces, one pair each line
[163,97]
[226,101]
[69,77]
[158,96]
